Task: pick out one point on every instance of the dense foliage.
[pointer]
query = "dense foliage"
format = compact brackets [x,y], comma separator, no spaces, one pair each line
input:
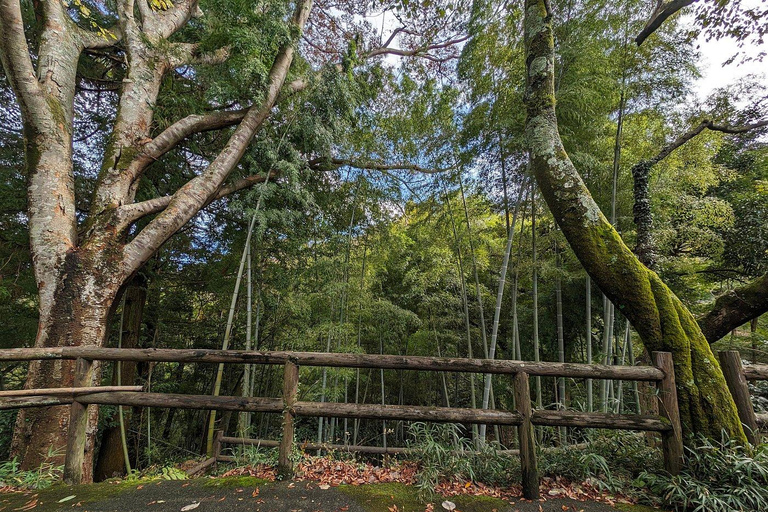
[397,184]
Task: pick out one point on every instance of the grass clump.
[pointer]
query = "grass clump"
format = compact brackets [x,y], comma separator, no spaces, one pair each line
[717,477]
[611,461]
[444,453]
[40,478]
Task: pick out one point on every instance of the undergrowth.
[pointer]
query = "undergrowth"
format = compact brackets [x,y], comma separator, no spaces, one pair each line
[44,476]
[717,477]
[444,453]
[611,460]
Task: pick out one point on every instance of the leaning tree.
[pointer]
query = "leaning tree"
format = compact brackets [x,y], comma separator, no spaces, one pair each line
[84,250]
[660,318]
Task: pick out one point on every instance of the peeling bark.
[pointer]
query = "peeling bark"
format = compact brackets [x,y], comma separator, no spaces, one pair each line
[80,276]
[661,320]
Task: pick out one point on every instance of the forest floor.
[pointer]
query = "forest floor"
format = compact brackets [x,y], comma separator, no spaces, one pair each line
[250,493]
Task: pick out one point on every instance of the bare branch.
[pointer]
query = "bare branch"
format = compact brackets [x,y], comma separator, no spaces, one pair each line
[335,163]
[14,54]
[188,200]
[131,213]
[180,130]
[659,16]
[669,148]
[95,40]
[422,52]
[704,125]
[738,129]
[735,308]
[164,24]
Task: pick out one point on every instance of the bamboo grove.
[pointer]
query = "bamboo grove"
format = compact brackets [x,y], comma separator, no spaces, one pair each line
[386,202]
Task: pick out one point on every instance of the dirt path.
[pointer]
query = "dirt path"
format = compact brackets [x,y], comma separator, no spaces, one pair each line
[232,494]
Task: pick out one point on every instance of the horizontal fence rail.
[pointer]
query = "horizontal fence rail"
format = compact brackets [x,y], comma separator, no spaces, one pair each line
[325,359]
[524,418]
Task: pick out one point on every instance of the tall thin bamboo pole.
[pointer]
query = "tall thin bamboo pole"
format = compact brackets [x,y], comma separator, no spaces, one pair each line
[464,300]
[121,417]
[588,300]
[228,331]
[499,297]
[244,418]
[560,341]
[536,348]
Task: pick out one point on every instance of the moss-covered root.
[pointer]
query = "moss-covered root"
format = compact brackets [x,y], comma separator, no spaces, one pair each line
[706,405]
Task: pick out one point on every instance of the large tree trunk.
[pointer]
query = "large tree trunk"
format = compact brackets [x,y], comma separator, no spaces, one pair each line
[78,314]
[80,269]
[662,321]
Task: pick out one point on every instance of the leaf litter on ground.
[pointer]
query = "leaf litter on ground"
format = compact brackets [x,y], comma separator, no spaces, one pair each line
[327,471]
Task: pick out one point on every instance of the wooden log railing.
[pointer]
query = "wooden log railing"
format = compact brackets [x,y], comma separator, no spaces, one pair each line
[524,418]
[736,376]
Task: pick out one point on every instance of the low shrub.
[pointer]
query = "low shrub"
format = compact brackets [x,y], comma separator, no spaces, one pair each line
[611,460]
[47,474]
[718,477]
[444,453]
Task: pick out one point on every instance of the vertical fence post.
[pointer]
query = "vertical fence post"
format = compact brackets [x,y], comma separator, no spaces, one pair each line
[671,440]
[217,435]
[78,424]
[290,391]
[528,465]
[730,361]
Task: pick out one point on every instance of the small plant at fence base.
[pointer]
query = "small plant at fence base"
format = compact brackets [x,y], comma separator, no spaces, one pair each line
[40,478]
[718,477]
[611,460]
[444,453]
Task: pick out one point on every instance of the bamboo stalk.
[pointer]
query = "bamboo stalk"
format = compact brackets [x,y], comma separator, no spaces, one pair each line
[228,331]
[560,343]
[464,301]
[536,348]
[497,313]
[120,416]
[588,300]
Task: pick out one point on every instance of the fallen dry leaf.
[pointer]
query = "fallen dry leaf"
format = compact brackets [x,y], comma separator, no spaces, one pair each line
[191,506]
[28,505]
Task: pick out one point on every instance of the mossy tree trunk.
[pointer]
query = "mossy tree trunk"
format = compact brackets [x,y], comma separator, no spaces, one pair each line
[658,315]
[80,265]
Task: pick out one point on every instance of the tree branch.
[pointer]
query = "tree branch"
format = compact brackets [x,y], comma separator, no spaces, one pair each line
[641,172]
[129,214]
[96,40]
[188,200]
[17,63]
[735,308]
[163,24]
[180,130]
[182,54]
[335,163]
[422,52]
[659,16]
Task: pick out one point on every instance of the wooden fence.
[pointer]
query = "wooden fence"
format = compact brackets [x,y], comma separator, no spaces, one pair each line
[737,375]
[524,417]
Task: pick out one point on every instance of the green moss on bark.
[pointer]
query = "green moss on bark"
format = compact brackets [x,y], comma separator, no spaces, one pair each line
[660,318]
